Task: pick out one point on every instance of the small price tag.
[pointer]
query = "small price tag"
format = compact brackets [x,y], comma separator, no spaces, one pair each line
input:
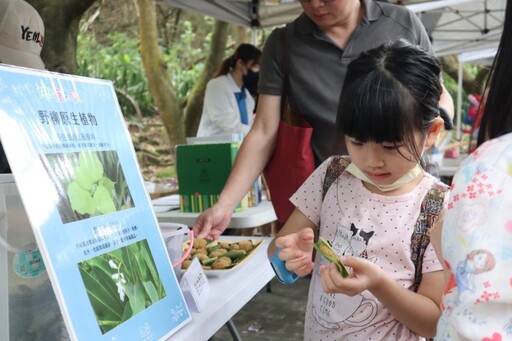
[195,286]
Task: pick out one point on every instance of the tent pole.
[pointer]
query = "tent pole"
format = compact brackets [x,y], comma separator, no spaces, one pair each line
[253,36]
[459,100]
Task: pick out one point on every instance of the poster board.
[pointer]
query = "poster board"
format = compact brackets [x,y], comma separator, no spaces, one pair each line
[77,174]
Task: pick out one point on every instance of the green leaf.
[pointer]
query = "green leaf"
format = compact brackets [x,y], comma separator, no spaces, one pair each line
[80,199]
[143,269]
[107,325]
[107,183]
[129,264]
[101,263]
[105,306]
[104,278]
[89,171]
[103,200]
[128,313]
[136,294]
[151,291]
[148,259]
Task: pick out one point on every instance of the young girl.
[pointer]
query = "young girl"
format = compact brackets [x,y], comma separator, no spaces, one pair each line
[389,115]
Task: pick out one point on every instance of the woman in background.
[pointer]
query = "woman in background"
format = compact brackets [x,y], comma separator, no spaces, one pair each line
[228,104]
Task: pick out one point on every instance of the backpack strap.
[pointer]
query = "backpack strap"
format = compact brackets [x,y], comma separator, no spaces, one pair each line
[430,208]
[334,170]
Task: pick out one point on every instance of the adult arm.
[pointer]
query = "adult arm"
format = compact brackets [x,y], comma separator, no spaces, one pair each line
[250,161]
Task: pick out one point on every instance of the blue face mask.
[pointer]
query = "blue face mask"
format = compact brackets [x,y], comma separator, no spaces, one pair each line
[405,179]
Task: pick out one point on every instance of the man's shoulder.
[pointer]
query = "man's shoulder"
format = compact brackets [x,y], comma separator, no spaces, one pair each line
[390,8]
[390,22]
[398,13]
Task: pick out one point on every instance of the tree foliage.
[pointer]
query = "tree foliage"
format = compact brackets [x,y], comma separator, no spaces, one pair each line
[182,51]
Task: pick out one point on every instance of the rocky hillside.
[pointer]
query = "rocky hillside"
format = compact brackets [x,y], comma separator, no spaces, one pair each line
[154,152]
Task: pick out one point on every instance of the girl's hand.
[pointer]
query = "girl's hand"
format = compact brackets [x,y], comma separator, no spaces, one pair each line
[364,275]
[297,251]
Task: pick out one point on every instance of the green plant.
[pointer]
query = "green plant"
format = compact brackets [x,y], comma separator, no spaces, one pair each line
[91,191]
[119,60]
[121,284]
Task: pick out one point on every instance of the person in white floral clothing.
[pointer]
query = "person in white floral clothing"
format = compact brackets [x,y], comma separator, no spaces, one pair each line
[476,238]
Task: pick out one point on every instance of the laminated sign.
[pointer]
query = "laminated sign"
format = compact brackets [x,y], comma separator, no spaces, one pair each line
[77,174]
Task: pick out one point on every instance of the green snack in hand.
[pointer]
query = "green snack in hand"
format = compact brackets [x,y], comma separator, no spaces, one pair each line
[328,253]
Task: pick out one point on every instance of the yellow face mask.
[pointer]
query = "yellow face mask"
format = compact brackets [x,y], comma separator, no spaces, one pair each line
[405,179]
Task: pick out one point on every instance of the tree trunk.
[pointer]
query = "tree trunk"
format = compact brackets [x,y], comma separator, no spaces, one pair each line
[61,20]
[159,82]
[241,35]
[451,67]
[215,56]
[481,78]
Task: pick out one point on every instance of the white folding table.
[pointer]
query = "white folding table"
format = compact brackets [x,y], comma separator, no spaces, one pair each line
[248,218]
[228,294]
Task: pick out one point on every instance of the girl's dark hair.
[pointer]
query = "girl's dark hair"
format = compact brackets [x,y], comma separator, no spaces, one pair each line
[497,116]
[245,52]
[389,93]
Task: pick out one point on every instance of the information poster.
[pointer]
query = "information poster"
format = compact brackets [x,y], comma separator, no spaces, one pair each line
[76,170]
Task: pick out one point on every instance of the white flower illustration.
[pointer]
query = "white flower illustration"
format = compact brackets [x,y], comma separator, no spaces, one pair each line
[120,281]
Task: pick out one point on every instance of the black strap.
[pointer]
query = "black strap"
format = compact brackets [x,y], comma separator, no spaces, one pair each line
[334,170]
[430,208]
[286,62]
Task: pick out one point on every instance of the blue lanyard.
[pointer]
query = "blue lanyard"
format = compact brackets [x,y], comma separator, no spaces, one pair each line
[240,99]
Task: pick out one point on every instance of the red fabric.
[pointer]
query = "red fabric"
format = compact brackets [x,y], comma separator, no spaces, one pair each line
[289,166]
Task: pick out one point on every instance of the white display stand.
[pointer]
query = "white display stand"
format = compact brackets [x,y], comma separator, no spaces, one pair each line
[29,309]
[77,174]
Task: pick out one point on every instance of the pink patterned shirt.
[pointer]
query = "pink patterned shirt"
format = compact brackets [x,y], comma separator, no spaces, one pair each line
[477,247]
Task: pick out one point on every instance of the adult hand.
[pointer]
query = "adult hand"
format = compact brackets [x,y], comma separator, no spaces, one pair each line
[364,275]
[212,222]
[297,251]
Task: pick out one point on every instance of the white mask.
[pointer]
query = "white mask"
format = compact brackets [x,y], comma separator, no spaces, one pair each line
[405,179]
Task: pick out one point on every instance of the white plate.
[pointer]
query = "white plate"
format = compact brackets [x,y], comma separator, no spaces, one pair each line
[222,272]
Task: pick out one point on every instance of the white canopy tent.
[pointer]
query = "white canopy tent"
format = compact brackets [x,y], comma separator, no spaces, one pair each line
[455,26]
[249,13]
[458,26]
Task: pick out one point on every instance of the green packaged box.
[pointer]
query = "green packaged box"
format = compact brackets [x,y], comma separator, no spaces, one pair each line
[202,171]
